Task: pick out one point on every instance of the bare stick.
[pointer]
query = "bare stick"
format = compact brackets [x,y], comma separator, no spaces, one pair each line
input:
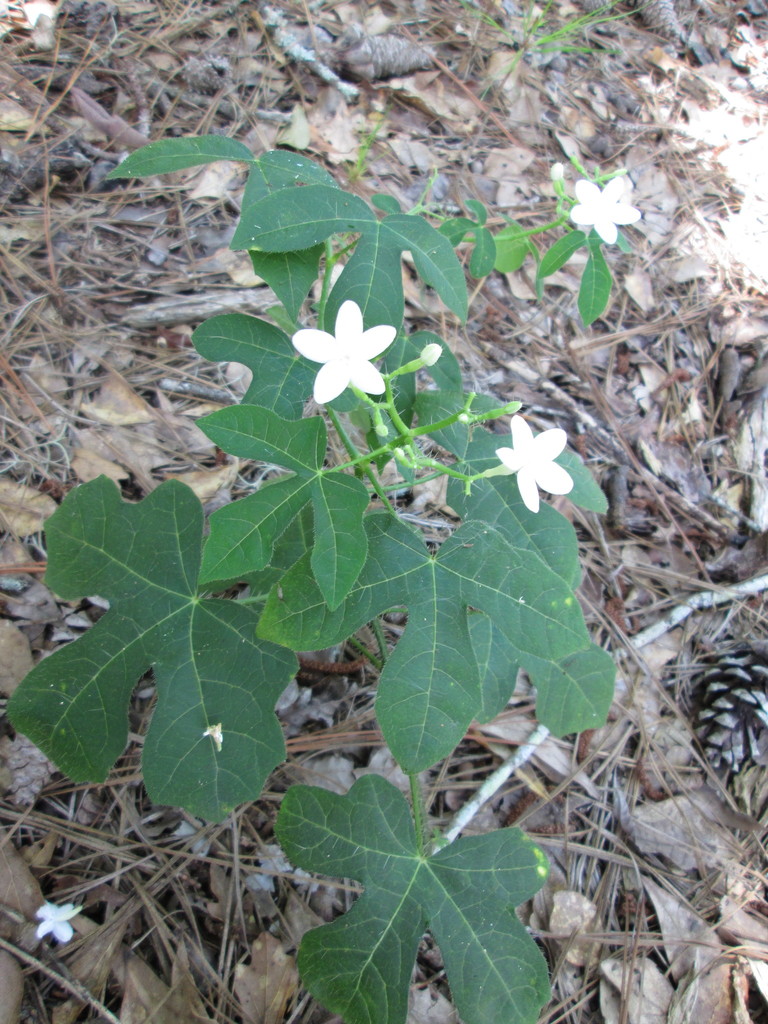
[277,25]
[61,976]
[705,599]
[495,781]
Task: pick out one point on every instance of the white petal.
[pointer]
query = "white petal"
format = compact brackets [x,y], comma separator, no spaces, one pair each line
[587,192]
[549,443]
[583,215]
[375,340]
[349,322]
[614,190]
[42,929]
[553,478]
[522,436]
[511,459]
[526,484]
[622,213]
[330,381]
[366,377]
[319,346]
[607,230]
[63,931]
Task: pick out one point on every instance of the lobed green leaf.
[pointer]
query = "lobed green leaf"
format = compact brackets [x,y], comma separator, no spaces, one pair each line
[431,686]
[208,668]
[360,966]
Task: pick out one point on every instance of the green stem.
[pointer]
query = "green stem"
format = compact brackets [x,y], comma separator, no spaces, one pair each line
[418,811]
[352,451]
[360,646]
[381,640]
[394,415]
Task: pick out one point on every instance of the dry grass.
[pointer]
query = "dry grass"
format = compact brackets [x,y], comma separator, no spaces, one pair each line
[640,392]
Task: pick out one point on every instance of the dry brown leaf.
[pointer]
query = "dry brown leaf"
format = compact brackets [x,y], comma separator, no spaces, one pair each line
[11,988]
[117,404]
[427,1006]
[23,510]
[217,180]
[640,289]
[634,993]
[677,830]
[704,996]
[572,916]
[296,134]
[18,887]
[689,942]
[268,984]
[147,998]
[206,483]
[13,117]
[87,465]
[15,657]
[91,965]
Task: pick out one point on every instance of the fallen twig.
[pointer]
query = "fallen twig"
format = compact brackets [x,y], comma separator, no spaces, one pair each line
[277,25]
[705,599]
[495,781]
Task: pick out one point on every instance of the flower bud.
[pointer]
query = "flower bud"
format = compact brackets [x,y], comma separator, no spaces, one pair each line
[557,172]
[463,417]
[430,354]
[380,429]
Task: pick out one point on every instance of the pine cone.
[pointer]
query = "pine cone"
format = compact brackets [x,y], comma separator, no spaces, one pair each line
[661,16]
[732,707]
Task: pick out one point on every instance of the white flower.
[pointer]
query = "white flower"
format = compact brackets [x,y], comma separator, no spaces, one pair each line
[532,459]
[603,210]
[557,172]
[55,920]
[346,355]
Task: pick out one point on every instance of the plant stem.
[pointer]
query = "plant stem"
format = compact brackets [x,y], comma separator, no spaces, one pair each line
[381,640]
[418,811]
[355,454]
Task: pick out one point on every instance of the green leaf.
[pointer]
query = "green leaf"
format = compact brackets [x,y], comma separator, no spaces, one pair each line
[300,217]
[373,278]
[476,207]
[483,257]
[177,154]
[290,275]
[455,229]
[596,283]
[243,534]
[281,379]
[512,246]
[559,254]
[276,170]
[586,492]
[208,669]
[360,965]
[433,256]
[385,203]
[431,686]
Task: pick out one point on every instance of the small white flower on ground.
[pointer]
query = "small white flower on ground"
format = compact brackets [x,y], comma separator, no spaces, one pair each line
[603,210]
[55,920]
[346,355]
[532,459]
[557,172]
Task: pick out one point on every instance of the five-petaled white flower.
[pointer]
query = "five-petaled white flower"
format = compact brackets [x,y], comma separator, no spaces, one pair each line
[532,459]
[346,355]
[602,210]
[55,920]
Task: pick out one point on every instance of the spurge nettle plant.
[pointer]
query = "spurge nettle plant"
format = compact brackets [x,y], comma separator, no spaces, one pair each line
[321,550]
